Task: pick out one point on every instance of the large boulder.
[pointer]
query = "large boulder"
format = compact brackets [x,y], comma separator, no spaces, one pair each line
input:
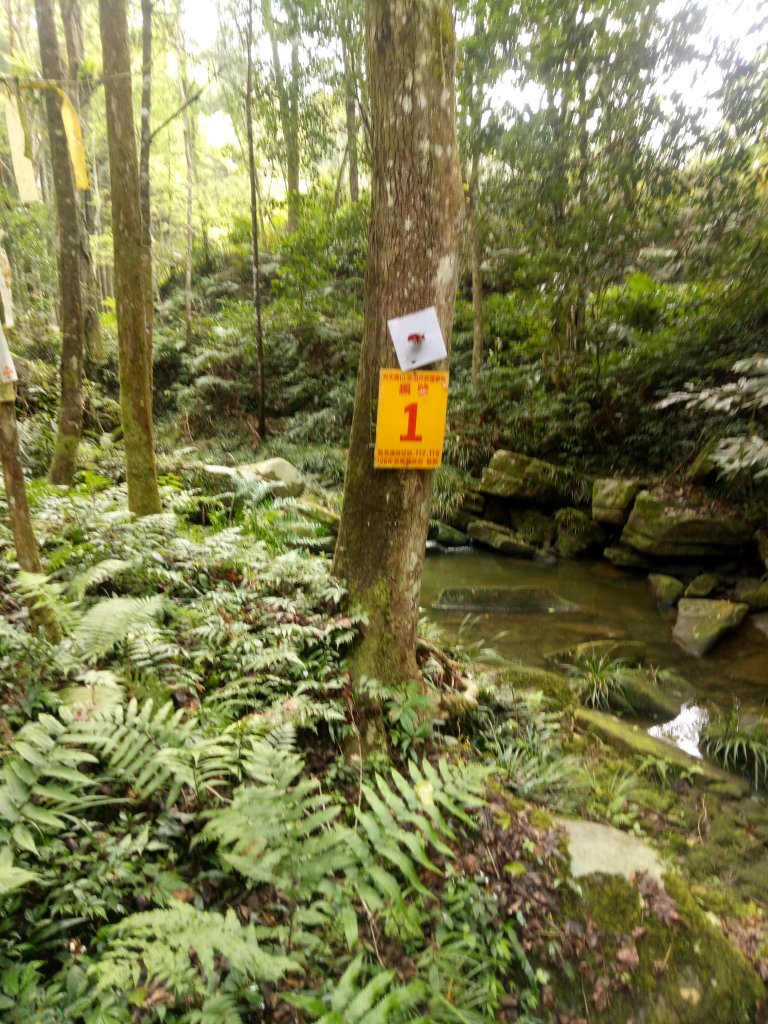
[288,481]
[701,623]
[663,527]
[752,592]
[534,600]
[499,538]
[525,480]
[612,500]
[576,534]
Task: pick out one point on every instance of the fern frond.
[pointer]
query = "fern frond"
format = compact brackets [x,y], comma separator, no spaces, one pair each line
[97,574]
[109,622]
[187,951]
[39,591]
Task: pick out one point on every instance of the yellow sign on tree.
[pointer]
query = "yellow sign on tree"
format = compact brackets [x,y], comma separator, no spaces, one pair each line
[410,427]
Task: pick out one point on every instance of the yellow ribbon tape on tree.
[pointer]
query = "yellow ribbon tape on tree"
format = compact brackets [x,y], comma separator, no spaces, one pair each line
[22,167]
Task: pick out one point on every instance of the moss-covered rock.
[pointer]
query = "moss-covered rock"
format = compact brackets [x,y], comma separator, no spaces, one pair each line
[525,480]
[526,677]
[752,592]
[701,623]
[666,589]
[625,558]
[499,538]
[646,697]
[612,500]
[631,652]
[703,585]
[627,738]
[533,526]
[662,526]
[666,963]
[577,534]
[449,537]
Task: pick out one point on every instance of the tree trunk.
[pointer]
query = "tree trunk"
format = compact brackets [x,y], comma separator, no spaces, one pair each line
[478,325]
[145,191]
[350,109]
[254,221]
[189,153]
[73,35]
[27,551]
[413,244]
[70,427]
[133,341]
[288,107]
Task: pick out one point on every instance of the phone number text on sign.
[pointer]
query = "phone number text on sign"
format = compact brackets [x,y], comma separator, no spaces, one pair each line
[410,427]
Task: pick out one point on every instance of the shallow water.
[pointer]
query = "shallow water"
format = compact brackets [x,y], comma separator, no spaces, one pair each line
[615,604]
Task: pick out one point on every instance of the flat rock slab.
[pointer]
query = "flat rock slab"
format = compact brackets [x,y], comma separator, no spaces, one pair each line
[499,538]
[701,623]
[632,739]
[604,850]
[538,600]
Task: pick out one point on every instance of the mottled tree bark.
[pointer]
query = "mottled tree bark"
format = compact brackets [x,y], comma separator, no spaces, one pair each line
[70,426]
[27,551]
[413,244]
[189,153]
[478,319]
[133,345]
[145,191]
[72,21]
[288,107]
[256,280]
[350,111]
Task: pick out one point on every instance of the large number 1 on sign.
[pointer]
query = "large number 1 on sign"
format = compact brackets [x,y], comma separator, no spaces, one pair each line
[412,411]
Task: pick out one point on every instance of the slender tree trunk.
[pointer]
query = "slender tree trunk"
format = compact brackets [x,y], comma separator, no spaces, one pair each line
[350,110]
[73,35]
[145,191]
[133,341]
[190,159]
[27,551]
[413,246]
[70,427]
[288,106]
[254,221]
[293,152]
[580,311]
[478,325]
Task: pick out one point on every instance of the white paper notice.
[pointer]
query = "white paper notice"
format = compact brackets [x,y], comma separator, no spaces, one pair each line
[418,339]
[7,369]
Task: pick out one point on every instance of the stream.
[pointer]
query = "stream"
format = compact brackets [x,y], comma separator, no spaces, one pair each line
[614,605]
